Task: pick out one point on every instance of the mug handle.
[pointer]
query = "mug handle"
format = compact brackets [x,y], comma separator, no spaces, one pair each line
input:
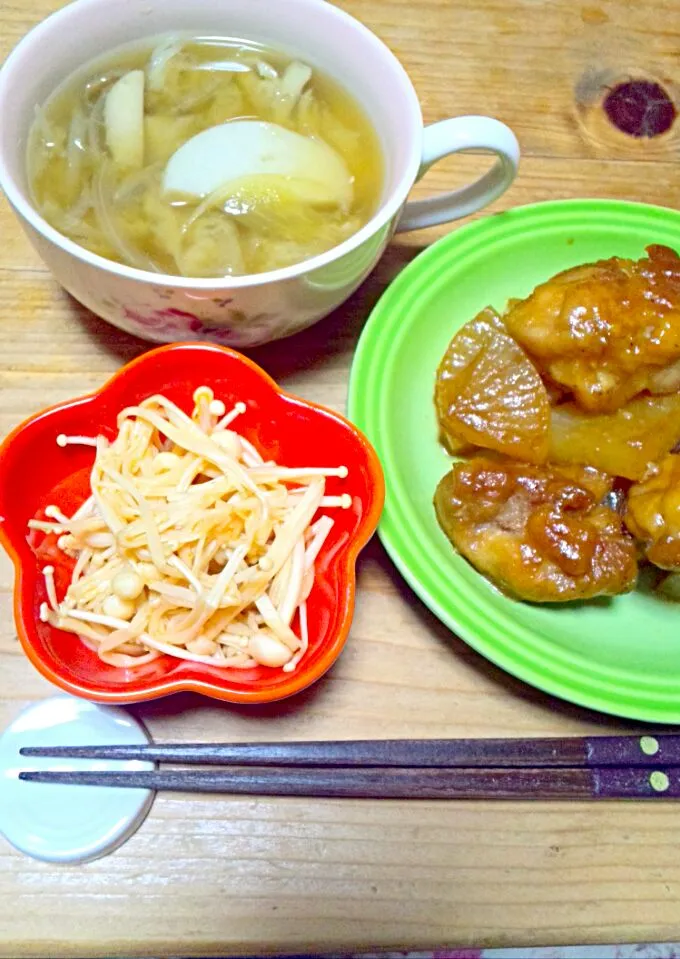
[459,135]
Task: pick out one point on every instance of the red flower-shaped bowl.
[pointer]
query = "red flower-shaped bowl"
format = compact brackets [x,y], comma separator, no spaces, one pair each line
[35,472]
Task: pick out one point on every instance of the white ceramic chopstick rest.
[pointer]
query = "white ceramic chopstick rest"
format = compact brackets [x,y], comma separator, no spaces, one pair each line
[69,824]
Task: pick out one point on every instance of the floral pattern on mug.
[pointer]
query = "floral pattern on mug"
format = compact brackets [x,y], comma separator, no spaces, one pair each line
[164,321]
[172,324]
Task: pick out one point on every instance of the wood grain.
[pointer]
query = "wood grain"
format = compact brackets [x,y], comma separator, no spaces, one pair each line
[210,876]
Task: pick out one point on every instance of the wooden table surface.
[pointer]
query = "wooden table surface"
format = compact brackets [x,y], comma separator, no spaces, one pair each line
[220,876]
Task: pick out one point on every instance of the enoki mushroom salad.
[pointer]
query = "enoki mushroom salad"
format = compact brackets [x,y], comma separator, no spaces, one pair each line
[190,544]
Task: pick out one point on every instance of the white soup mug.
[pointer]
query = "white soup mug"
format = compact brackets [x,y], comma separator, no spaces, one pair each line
[243,311]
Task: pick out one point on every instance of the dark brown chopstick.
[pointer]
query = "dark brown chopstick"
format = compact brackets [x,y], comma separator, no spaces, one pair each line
[640,751]
[519,784]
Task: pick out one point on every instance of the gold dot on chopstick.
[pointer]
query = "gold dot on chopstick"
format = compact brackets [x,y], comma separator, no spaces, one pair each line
[659,781]
[649,745]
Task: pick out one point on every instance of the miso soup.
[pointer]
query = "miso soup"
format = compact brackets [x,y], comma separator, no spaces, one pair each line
[286,166]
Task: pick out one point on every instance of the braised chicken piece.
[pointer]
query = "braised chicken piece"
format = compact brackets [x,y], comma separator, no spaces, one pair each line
[653,514]
[541,533]
[605,331]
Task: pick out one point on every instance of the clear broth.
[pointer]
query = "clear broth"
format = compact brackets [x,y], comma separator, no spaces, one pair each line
[124,216]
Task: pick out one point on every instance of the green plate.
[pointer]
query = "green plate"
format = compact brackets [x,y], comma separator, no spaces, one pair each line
[620,656]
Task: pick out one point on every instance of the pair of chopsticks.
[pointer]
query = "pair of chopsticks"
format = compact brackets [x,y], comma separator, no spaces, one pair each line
[601,767]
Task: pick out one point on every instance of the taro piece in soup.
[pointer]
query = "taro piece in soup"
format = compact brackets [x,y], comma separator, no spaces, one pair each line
[203,157]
